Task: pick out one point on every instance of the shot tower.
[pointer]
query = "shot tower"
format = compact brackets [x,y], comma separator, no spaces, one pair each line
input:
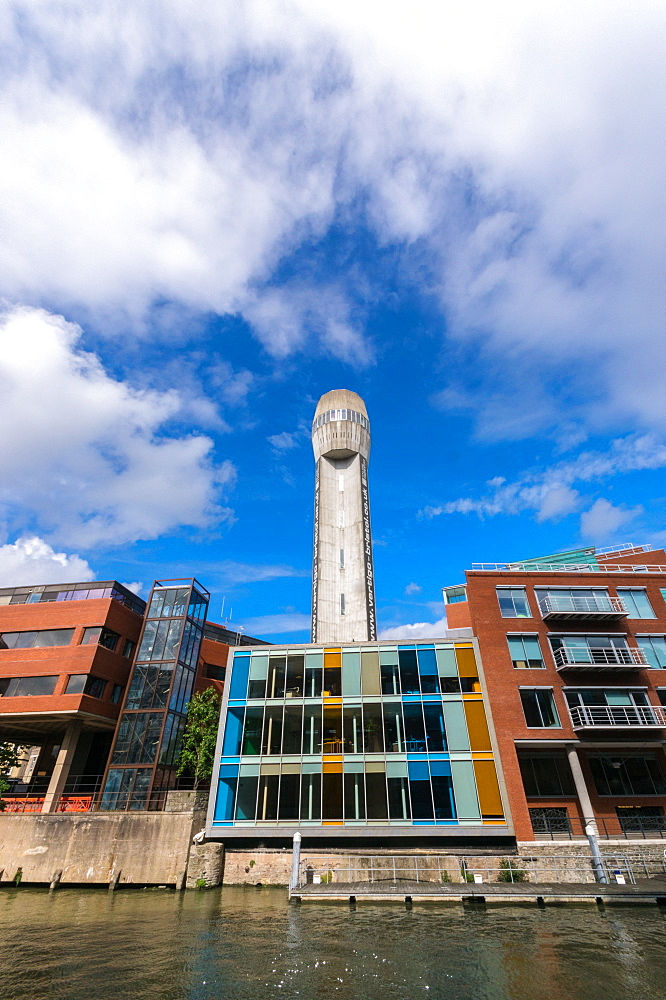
[343,589]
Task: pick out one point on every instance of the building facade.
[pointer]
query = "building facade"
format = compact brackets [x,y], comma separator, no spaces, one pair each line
[574,650]
[89,668]
[371,740]
[343,588]
[66,652]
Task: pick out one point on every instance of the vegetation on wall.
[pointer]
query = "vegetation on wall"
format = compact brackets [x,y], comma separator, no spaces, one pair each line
[198,753]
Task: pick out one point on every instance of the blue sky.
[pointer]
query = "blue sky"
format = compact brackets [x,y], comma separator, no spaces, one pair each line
[211,214]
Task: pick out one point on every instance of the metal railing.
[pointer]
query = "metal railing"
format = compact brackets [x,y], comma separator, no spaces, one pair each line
[626,716]
[566,568]
[387,872]
[570,605]
[634,827]
[607,656]
[79,795]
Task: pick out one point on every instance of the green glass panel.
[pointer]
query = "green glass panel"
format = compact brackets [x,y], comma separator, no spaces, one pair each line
[456,726]
[464,786]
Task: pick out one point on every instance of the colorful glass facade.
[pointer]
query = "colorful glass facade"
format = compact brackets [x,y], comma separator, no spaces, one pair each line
[374,735]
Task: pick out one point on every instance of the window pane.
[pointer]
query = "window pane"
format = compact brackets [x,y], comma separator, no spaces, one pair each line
[636,602]
[76,684]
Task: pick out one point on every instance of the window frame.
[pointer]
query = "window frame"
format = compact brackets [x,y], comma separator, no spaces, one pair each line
[621,591]
[522,636]
[506,587]
[650,636]
[535,688]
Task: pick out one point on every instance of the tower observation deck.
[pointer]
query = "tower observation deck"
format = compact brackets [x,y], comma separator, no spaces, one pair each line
[343,589]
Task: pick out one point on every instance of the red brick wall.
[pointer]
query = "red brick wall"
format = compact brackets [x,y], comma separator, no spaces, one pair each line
[66,660]
[503,680]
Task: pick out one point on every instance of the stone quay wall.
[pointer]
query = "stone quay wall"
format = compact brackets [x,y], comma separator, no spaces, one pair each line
[115,849]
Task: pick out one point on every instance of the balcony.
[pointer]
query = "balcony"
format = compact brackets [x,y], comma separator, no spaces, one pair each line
[617,717]
[600,658]
[553,608]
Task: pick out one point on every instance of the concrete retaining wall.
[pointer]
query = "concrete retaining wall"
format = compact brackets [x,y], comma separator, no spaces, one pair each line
[96,848]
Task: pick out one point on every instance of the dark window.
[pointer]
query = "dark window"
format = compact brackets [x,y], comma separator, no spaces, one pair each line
[128,647]
[76,684]
[100,635]
[86,684]
[618,774]
[214,672]
[641,819]
[29,640]
[546,776]
[539,708]
[469,685]
[116,694]
[22,687]
[95,687]
[550,820]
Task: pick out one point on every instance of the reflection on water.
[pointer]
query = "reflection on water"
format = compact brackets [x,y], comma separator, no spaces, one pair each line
[249,944]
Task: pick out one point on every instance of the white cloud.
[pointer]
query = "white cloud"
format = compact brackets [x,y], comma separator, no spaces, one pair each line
[418,630]
[549,492]
[518,144]
[90,457]
[284,441]
[290,621]
[412,588]
[31,560]
[602,520]
[231,572]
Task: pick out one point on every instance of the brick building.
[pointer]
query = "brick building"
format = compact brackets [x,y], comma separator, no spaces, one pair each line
[574,654]
[68,654]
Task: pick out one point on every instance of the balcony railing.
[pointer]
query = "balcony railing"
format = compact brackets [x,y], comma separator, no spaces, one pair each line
[608,827]
[600,658]
[617,716]
[567,606]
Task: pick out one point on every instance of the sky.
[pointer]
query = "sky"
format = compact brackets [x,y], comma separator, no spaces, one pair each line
[211,214]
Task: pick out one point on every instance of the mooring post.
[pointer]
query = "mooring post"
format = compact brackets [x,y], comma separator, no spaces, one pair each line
[295,862]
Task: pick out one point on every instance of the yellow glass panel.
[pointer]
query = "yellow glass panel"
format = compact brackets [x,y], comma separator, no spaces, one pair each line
[370,673]
[332,658]
[488,788]
[332,766]
[332,822]
[477,726]
[466,662]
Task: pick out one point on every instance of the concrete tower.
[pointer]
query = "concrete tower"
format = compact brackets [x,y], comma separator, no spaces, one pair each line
[343,587]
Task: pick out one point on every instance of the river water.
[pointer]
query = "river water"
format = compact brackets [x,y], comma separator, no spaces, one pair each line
[249,944]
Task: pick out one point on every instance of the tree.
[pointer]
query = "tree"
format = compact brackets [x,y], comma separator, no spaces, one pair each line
[198,753]
[10,756]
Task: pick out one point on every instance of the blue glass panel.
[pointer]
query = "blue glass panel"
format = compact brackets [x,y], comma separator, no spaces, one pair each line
[418,770]
[441,768]
[240,672]
[229,771]
[424,822]
[233,731]
[427,662]
[224,803]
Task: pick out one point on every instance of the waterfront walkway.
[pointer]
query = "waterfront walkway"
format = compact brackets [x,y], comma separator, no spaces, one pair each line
[650,890]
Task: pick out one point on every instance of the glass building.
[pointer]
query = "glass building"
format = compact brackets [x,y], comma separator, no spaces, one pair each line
[370,739]
[144,756]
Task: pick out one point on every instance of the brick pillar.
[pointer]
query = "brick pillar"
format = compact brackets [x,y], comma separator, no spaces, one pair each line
[62,766]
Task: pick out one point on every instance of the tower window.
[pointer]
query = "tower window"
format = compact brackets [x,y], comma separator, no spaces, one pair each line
[341,483]
[342,604]
[341,518]
[342,558]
